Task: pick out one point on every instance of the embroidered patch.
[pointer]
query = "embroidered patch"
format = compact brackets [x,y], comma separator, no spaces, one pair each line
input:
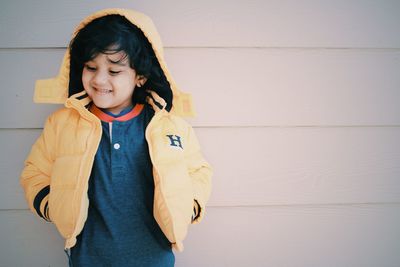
[175,140]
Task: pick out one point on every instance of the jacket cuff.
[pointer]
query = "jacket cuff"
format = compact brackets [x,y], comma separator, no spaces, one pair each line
[40,203]
[197,212]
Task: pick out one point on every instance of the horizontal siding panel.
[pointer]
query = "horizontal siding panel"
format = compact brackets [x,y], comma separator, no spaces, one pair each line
[289,23]
[242,87]
[268,166]
[249,87]
[323,236]
[327,236]
[303,165]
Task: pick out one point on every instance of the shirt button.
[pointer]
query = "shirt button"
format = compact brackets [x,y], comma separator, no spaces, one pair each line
[116,146]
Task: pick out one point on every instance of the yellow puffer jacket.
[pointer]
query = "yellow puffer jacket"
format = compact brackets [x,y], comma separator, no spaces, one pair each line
[57,170]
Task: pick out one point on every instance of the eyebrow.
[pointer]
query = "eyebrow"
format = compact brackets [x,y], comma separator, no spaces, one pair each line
[118,62]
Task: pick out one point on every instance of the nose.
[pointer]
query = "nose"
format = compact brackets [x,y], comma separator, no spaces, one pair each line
[100,78]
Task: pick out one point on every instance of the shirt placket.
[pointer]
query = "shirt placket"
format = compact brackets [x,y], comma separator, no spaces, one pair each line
[117,149]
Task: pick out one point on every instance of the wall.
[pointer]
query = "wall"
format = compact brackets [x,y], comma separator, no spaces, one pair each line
[298,112]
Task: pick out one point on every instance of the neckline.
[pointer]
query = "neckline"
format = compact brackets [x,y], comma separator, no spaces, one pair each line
[108,118]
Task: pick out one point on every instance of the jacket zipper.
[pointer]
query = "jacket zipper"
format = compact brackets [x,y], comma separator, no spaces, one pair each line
[91,153]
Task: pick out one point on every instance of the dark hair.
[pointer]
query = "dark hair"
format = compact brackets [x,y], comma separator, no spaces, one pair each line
[111,34]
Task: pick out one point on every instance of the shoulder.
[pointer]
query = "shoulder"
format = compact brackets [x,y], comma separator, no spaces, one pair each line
[61,115]
[164,121]
[183,127]
[180,122]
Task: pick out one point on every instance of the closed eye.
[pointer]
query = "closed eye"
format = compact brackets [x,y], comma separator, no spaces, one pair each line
[112,72]
[90,68]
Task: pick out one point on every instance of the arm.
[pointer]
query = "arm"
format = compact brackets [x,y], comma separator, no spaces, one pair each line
[35,177]
[200,173]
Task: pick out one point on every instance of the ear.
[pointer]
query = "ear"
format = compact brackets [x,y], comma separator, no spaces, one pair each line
[140,80]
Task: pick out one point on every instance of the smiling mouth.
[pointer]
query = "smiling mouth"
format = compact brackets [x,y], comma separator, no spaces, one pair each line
[102,91]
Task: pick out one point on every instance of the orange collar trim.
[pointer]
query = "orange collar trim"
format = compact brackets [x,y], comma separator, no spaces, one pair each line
[108,118]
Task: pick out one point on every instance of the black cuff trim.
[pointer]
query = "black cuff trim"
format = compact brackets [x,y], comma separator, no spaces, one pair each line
[38,200]
[46,211]
[198,212]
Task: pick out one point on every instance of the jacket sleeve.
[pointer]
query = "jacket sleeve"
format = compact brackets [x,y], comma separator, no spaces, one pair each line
[35,177]
[200,173]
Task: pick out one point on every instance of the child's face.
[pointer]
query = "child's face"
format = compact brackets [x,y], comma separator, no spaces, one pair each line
[110,84]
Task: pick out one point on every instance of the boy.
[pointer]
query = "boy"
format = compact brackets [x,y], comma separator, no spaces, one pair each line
[117,171]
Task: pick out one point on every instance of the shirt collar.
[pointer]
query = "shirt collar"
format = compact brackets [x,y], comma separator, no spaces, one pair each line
[124,115]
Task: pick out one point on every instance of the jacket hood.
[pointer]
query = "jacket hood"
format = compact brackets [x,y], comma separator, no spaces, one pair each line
[55,90]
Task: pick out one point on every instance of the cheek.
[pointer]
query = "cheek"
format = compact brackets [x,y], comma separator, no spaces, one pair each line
[85,79]
[126,85]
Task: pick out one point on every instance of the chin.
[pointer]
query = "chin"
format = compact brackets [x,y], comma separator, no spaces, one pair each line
[100,104]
